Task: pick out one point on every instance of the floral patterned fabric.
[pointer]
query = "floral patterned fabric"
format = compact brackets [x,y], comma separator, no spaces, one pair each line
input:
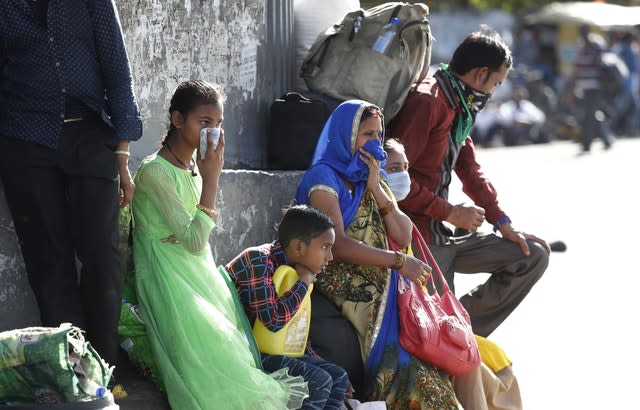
[361,292]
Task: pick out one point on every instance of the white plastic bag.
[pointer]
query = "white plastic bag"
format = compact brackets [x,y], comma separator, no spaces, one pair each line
[370,405]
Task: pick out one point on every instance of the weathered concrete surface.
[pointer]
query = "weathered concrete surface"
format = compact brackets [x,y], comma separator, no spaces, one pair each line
[251,204]
[237,44]
[17,304]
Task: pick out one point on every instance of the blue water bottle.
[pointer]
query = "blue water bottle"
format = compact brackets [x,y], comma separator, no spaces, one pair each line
[388,32]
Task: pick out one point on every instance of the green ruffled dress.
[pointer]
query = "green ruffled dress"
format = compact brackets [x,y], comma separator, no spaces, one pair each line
[203,353]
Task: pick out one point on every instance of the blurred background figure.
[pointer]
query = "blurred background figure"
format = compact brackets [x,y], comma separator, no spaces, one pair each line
[521,119]
[626,105]
[588,90]
[515,120]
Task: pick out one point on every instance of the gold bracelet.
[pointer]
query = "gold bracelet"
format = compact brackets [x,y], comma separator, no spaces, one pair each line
[401,258]
[121,152]
[209,211]
[385,210]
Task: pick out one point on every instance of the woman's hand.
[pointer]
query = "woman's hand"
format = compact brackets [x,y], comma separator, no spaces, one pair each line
[211,166]
[349,393]
[373,181]
[415,270]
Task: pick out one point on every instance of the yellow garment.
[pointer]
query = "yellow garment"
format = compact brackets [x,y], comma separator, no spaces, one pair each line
[492,355]
[291,340]
[119,392]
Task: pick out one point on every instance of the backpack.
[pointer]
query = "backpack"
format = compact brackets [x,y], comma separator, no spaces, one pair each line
[342,64]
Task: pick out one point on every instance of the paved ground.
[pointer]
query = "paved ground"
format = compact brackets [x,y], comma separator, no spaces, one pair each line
[571,340]
[142,394]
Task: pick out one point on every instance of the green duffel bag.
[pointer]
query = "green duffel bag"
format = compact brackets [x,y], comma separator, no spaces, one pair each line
[50,365]
[343,62]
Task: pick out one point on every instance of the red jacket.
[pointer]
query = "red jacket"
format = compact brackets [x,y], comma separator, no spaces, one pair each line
[423,126]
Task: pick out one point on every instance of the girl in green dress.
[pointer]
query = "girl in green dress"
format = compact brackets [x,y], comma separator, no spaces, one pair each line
[205,358]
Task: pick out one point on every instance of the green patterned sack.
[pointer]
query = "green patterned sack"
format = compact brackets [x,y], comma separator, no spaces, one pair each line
[48,365]
[131,330]
[134,340]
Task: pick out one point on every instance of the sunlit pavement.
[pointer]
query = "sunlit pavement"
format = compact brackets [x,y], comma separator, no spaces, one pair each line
[572,340]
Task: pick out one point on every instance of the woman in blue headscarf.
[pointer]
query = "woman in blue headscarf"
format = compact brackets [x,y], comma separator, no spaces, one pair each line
[344,181]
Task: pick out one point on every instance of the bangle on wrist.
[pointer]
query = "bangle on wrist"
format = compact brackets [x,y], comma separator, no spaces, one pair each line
[212,213]
[504,219]
[401,258]
[121,152]
[385,210]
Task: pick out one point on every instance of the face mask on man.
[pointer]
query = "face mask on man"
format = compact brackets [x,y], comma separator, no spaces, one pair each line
[477,100]
[471,102]
[400,184]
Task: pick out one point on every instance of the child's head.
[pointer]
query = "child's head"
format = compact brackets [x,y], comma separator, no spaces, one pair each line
[195,104]
[396,157]
[307,236]
[397,167]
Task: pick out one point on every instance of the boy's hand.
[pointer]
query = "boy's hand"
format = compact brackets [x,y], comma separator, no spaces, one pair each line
[349,393]
[305,274]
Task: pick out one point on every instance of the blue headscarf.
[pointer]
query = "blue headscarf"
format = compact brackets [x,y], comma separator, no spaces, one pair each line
[336,160]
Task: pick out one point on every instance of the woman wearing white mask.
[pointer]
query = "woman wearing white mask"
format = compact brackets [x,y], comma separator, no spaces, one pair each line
[397,169]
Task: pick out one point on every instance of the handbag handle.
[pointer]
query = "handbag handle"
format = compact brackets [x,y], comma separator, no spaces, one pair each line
[293,96]
[425,253]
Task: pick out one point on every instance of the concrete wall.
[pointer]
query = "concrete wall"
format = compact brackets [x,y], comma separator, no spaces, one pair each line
[250,205]
[246,46]
[17,304]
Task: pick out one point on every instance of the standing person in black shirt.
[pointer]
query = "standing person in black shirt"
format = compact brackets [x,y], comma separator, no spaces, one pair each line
[67,115]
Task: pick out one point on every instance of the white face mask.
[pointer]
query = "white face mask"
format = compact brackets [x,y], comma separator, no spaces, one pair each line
[400,184]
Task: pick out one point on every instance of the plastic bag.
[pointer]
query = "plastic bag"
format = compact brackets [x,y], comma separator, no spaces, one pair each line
[49,365]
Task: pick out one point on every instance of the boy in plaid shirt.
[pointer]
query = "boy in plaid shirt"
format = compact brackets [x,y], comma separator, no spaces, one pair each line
[305,239]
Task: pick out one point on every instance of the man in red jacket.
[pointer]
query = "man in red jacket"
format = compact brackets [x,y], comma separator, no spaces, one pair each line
[434,126]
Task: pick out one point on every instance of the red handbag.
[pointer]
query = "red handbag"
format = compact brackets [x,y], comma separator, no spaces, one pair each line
[435,328]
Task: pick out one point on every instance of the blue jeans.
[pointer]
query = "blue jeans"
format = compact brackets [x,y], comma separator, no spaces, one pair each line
[328,382]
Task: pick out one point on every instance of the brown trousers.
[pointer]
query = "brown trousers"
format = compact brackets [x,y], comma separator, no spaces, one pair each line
[512,275]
